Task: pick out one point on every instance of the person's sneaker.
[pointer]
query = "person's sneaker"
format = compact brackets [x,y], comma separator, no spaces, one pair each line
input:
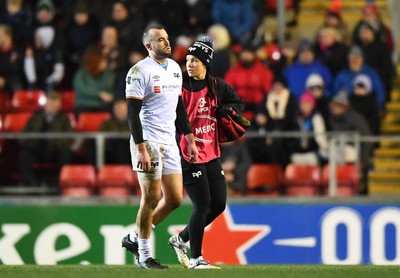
[200,263]
[180,250]
[131,246]
[151,263]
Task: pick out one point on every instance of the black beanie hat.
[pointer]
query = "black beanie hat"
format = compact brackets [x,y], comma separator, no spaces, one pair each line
[203,50]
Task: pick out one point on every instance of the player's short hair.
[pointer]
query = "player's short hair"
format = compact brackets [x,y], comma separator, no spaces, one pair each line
[146,33]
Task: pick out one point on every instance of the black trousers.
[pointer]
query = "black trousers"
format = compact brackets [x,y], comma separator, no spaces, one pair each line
[206,187]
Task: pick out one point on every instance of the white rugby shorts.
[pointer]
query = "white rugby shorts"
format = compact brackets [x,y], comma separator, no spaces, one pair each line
[165,160]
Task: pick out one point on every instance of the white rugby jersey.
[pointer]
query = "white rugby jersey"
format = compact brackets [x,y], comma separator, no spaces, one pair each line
[159,89]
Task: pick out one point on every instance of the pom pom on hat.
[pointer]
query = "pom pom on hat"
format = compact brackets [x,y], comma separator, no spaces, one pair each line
[203,50]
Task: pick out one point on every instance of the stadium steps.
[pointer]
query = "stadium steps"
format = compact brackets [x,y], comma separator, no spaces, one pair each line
[383,188]
[312,14]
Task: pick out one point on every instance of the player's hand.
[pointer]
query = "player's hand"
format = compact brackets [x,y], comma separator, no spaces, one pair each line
[143,158]
[193,152]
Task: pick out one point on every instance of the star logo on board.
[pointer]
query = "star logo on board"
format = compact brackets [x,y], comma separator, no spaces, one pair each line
[225,242]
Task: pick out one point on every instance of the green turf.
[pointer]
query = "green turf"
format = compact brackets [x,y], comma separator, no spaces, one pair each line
[227,271]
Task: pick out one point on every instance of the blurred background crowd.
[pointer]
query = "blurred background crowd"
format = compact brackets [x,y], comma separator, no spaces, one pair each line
[337,79]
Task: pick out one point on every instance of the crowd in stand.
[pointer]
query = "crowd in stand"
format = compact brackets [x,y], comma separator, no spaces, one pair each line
[339,80]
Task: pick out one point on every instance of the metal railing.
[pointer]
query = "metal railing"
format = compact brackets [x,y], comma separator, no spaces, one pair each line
[336,141]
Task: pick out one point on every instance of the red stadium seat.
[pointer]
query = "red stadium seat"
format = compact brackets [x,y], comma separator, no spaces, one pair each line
[347,176]
[117,180]
[303,180]
[77,180]
[67,100]
[15,122]
[264,179]
[28,100]
[91,121]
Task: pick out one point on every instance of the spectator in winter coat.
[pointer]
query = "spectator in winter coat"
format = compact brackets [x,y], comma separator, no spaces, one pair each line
[356,65]
[376,55]
[310,150]
[93,83]
[315,84]
[250,79]
[330,50]
[364,101]
[296,74]
[81,31]
[346,119]
[371,15]
[277,112]
[50,119]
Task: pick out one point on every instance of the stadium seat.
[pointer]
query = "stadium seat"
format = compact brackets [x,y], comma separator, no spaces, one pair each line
[67,100]
[116,180]
[91,121]
[77,180]
[302,180]
[28,100]
[15,122]
[264,179]
[348,179]
[5,102]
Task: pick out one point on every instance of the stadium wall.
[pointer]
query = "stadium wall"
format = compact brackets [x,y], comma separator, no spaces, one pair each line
[251,231]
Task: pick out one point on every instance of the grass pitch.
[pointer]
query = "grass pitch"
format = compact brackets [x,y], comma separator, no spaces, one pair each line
[226,271]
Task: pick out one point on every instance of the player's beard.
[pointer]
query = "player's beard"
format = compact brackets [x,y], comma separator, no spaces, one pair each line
[162,54]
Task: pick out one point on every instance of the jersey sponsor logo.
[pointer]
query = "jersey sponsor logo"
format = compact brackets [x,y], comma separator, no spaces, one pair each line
[131,80]
[177,74]
[197,174]
[157,89]
[204,129]
[202,102]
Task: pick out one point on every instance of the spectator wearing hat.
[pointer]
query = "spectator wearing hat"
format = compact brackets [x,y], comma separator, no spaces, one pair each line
[333,18]
[316,86]
[371,15]
[250,78]
[43,63]
[310,150]
[344,118]
[355,66]
[277,112]
[330,50]
[296,74]
[376,55]
[364,101]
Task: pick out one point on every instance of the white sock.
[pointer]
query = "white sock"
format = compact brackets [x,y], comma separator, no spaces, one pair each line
[133,236]
[144,249]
